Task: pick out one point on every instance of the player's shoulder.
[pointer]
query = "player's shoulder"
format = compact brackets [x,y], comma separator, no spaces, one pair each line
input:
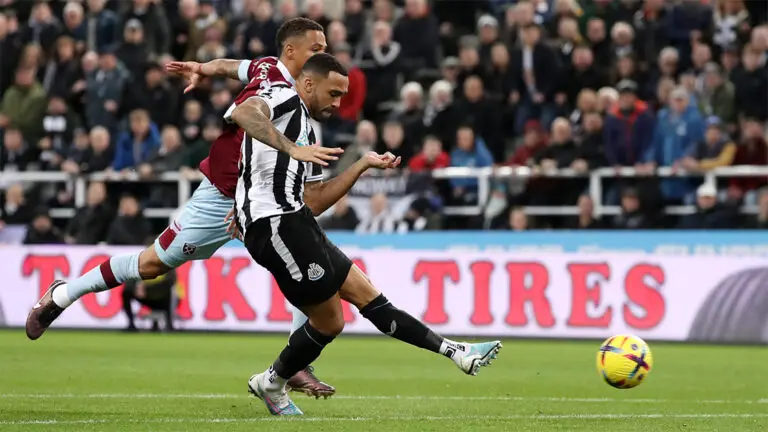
[267,73]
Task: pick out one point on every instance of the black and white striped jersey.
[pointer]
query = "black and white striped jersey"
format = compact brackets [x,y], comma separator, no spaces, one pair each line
[271,182]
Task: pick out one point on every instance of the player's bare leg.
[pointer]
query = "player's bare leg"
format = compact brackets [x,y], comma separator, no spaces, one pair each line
[359,291]
[326,321]
[109,274]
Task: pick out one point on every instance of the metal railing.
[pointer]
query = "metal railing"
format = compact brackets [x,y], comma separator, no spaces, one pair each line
[486,176]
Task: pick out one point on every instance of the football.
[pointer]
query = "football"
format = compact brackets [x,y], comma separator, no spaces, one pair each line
[624,361]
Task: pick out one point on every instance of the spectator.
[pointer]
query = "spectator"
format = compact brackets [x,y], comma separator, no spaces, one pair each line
[488,31]
[352,104]
[701,56]
[497,82]
[751,83]
[568,38]
[469,65]
[562,152]
[586,103]
[168,157]
[626,68]
[74,25]
[102,27]
[181,25]
[133,51]
[155,26]
[206,19]
[652,24]
[23,105]
[379,220]
[718,96]
[16,210]
[663,93]
[607,100]
[678,129]
[10,51]
[129,227]
[354,21]
[518,220]
[470,152]
[59,125]
[192,121]
[730,60]
[343,218]
[534,78]
[582,74]
[102,152]
[760,220]
[417,33]
[337,34]
[623,37]
[731,24]
[534,141]
[364,142]
[632,216]
[221,100]
[382,73]
[198,149]
[104,91]
[91,222]
[431,156]
[41,231]
[314,10]
[410,113]
[600,44]
[136,146]
[753,150]
[440,116]
[156,294]
[62,70]
[668,67]
[43,27]
[709,214]
[393,140]
[591,145]
[483,114]
[586,219]
[517,17]
[689,20]
[77,153]
[16,154]
[152,92]
[260,32]
[715,151]
[628,131]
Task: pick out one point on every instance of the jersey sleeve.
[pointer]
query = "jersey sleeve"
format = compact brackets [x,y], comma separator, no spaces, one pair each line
[246,71]
[315,172]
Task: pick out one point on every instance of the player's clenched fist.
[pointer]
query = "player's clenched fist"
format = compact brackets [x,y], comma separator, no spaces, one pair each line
[316,154]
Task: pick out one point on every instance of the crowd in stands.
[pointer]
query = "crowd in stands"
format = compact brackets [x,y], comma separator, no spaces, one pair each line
[548,84]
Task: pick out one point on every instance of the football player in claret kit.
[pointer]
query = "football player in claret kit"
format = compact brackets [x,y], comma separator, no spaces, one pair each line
[277,200]
[202,226]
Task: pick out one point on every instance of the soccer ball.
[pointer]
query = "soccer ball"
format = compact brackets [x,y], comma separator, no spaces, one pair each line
[624,361]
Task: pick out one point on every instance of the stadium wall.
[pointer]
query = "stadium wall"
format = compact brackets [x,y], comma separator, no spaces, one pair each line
[708,287]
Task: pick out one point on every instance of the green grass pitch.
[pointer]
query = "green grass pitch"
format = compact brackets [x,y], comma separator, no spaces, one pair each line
[103,381]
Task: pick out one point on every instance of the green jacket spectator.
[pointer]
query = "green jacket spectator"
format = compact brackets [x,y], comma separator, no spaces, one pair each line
[24,104]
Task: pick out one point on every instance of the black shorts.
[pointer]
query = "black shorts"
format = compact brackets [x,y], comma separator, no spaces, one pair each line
[308,268]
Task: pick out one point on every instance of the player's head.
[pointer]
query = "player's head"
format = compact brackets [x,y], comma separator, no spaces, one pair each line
[322,84]
[299,39]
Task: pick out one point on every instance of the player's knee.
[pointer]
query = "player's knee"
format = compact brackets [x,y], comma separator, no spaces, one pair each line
[358,289]
[150,265]
[329,324]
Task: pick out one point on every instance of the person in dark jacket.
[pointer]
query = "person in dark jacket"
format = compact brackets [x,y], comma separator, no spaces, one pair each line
[59,125]
[689,20]
[343,218]
[751,80]
[152,92]
[42,231]
[156,294]
[129,227]
[417,32]
[381,62]
[10,51]
[15,154]
[633,216]
[483,114]
[628,131]
[535,77]
[63,70]
[134,50]
[102,27]
[586,220]
[582,74]
[43,27]
[652,25]
[15,209]
[709,214]
[91,222]
[152,18]
[440,116]
[104,92]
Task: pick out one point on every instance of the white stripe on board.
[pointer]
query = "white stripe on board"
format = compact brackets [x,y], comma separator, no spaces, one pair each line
[390,418]
[381,397]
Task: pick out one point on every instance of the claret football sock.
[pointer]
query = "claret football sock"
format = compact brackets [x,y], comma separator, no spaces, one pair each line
[109,274]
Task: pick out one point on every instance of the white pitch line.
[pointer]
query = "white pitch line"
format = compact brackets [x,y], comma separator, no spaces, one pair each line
[379,397]
[388,418]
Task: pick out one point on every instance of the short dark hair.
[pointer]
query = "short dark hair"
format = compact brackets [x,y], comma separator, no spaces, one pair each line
[323,64]
[294,27]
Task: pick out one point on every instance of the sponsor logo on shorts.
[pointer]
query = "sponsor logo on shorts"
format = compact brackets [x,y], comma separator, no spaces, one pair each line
[315,272]
[188,249]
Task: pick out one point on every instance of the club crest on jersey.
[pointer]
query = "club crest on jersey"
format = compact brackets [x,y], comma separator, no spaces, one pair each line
[315,272]
[188,249]
[303,140]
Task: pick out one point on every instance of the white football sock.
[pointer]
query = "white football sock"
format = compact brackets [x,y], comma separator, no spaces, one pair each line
[272,381]
[60,296]
[452,349]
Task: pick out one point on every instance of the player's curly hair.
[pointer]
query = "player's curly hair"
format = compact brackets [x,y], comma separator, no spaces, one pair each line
[295,27]
[323,64]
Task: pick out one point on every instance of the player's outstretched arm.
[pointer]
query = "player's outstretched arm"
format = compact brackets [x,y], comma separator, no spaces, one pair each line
[320,196]
[195,72]
[254,116]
